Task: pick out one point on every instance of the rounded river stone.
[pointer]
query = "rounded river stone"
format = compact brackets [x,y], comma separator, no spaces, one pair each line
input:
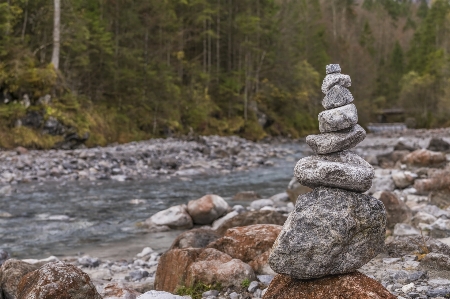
[336,141]
[338,118]
[344,170]
[331,231]
[338,96]
[335,79]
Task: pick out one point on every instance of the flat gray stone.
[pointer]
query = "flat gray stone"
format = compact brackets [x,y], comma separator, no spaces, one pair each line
[333,68]
[335,79]
[338,118]
[337,141]
[344,170]
[337,96]
[331,231]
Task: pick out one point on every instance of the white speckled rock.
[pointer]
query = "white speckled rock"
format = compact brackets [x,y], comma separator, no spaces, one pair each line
[335,79]
[344,170]
[160,295]
[333,68]
[337,141]
[338,118]
[338,96]
[331,231]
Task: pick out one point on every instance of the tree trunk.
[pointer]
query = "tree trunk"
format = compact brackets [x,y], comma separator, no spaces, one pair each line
[56,34]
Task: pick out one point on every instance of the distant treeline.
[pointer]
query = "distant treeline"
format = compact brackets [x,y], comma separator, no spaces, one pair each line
[134,69]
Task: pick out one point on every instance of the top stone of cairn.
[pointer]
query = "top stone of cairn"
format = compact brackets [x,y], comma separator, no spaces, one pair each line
[333,68]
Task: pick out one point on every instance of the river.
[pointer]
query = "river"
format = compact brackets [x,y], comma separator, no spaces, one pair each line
[99,218]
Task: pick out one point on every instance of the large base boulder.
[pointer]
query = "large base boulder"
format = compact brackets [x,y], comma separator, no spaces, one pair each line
[57,281]
[331,231]
[349,286]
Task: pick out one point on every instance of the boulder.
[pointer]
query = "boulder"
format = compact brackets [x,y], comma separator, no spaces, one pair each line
[207,209]
[415,244]
[423,157]
[216,224]
[331,231]
[57,280]
[246,195]
[438,145]
[213,266]
[337,96]
[11,273]
[251,218]
[172,268]
[337,141]
[344,170]
[248,242]
[349,286]
[438,183]
[335,79]
[396,210]
[175,217]
[338,118]
[195,238]
[261,203]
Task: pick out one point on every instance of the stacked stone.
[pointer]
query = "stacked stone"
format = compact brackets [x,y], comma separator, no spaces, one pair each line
[334,229]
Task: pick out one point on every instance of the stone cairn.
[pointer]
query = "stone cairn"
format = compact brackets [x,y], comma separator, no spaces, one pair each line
[336,228]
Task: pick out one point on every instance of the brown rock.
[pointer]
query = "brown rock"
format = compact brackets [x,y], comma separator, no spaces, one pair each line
[195,238]
[415,244]
[248,242]
[246,195]
[207,209]
[349,286]
[118,291]
[396,210]
[388,160]
[172,268]
[10,274]
[213,266]
[57,281]
[424,157]
[440,199]
[251,218]
[436,183]
[260,264]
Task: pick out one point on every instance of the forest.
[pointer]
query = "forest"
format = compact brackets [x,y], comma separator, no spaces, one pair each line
[125,70]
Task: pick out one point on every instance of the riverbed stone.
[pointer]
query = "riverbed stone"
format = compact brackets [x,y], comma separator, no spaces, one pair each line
[175,217]
[57,280]
[207,208]
[331,231]
[337,96]
[337,141]
[344,170]
[396,210]
[331,80]
[160,295]
[338,118]
[423,157]
[349,286]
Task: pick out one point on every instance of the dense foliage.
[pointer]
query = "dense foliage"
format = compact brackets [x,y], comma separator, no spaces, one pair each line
[134,69]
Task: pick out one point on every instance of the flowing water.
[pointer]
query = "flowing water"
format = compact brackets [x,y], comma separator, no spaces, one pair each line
[99,218]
